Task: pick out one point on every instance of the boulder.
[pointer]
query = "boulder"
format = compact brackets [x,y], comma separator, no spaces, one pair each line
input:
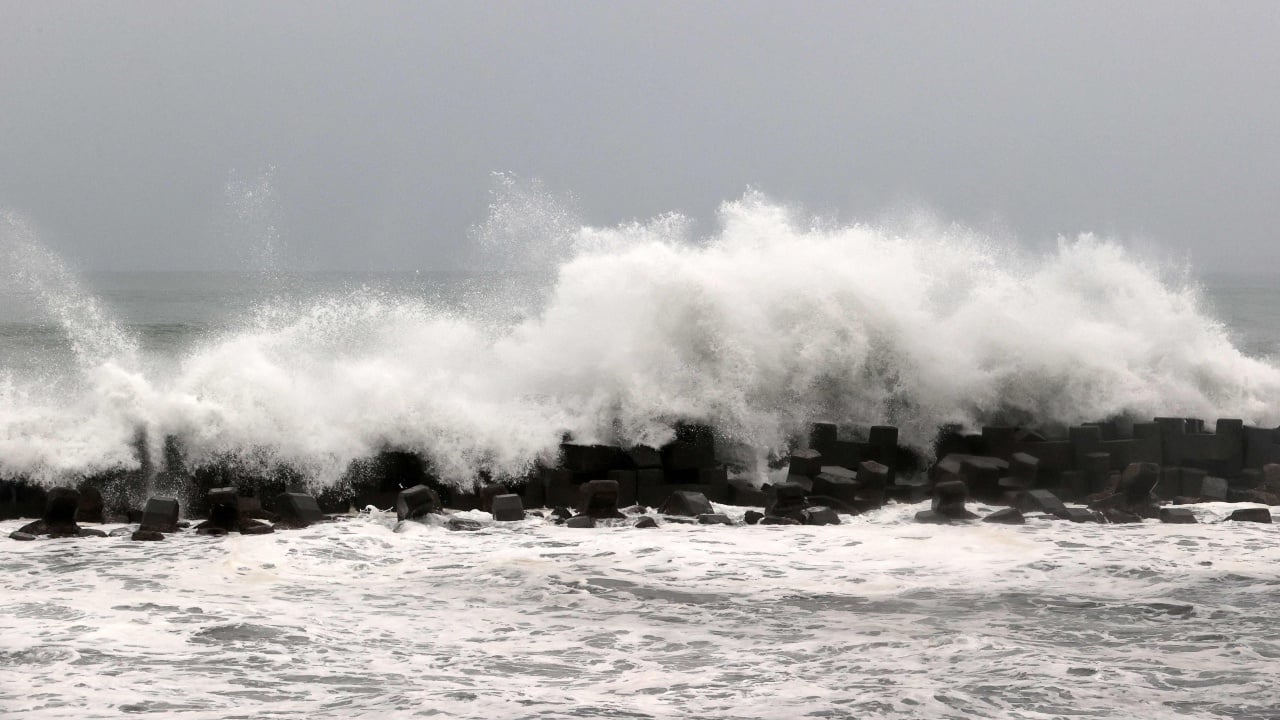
[805,462]
[949,500]
[873,479]
[687,504]
[752,517]
[160,514]
[147,535]
[580,521]
[1024,469]
[224,509]
[788,501]
[90,508]
[415,502]
[1041,501]
[1177,516]
[599,499]
[250,526]
[489,492]
[1080,515]
[777,520]
[714,519]
[1214,489]
[932,518]
[1138,481]
[507,508]
[644,521]
[298,510]
[23,536]
[1253,514]
[819,515]
[1006,516]
[60,512]
[743,492]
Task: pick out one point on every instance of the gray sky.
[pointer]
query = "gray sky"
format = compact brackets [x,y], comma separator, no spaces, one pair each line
[121,122]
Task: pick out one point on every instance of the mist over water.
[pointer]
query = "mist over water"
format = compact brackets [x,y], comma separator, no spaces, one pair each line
[612,334]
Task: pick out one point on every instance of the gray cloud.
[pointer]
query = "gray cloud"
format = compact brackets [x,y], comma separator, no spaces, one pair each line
[120,123]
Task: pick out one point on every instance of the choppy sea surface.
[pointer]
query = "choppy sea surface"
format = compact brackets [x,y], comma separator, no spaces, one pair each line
[875,618]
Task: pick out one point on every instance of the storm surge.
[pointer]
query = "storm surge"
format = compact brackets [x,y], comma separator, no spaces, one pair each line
[772,321]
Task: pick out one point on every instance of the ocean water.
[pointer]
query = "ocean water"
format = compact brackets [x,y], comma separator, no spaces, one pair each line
[612,334]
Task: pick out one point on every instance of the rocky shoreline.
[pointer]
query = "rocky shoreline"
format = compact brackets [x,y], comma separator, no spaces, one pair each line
[1101,472]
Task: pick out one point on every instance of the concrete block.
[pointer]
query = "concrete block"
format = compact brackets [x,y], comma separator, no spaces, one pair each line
[1253,514]
[416,501]
[160,514]
[820,516]
[1214,489]
[822,437]
[507,508]
[295,509]
[805,462]
[599,499]
[627,484]
[687,504]
[1177,516]
[1006,516]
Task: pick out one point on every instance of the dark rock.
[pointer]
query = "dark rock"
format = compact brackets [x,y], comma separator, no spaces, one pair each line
[788,501]
[644,521]
[714,519]
[1138,481]
[1042,501]
[777,520]
[1214,489]
[507,508]
[210,530]
[160,514]
[752,517]
[949,499]
[805,482]
[1177,516]
[1120,516]
[90,508]
[458,524]
[91,532]
[805,462]
[148,535]
[255,527]
[932,518]
[60,511]
[599,499]
[873,479]
[842,485]
[743,492]
[822,436]
[1254,514]
[224,509]
[1006,516]
[1024,470]
[560,514]
[580,521]
[298,510]
[687,504]
[642,457]
[819,515]
[415,502]
[19,535]
[489,492]
[121,532]
[1080,515]
[590,459]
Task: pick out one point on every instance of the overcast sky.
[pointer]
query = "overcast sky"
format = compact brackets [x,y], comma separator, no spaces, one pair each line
[121,123]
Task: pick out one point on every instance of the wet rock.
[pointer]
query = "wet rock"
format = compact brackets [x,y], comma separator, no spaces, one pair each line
[842,485]
[415,502]
[149,535]
[210,530]
[599,499]
[1080,515]
[160,514]
[1214,489]
[644,521]
[744,492]
[1177,516]
[91,532]
[777,520]
[60,512]
[930,517]
[949,500]
[819,515]
[714,519]
[805,462]
[873,480]
[224,509]
[560,514]
[23,536]
[1255,515]
[298,510]
[1138,481]
[1120,516]
[1024,470]
[1006,516]
[686,504]
[90,507]
[1041,501]
[507,508]
[789,501]
[752,517]
[255,527]
[121,532]
[489,492]
[458,524]
[580,521]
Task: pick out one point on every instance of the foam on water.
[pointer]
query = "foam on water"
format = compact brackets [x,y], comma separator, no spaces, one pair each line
[877,617]
[769,323]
